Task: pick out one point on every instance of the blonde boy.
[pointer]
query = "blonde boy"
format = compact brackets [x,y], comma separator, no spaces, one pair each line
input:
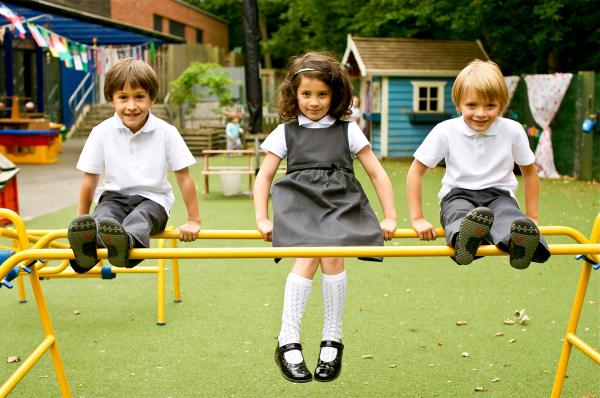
[125,162]
[477,197]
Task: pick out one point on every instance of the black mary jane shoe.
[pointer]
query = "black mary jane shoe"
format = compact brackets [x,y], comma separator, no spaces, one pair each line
[294,372]
[329,371]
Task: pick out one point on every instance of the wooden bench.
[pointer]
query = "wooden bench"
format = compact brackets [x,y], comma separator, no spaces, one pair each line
[209,170]
[249,170]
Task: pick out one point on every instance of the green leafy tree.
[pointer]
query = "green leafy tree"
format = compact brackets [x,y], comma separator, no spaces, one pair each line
[308,26]
[523,36]
[199,80]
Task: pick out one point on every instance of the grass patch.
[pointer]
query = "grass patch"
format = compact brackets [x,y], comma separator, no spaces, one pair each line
[219,341]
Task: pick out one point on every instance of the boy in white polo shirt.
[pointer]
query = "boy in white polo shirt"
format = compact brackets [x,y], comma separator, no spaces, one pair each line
[477,196]
[130,154]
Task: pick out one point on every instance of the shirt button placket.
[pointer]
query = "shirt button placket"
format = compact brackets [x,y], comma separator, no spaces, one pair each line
[480,150]
[132,152]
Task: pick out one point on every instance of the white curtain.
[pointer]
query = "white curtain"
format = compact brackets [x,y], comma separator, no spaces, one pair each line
[511,83]
[545,94]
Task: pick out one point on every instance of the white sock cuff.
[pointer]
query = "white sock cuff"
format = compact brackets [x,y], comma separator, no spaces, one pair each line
[333,278]
[299,280]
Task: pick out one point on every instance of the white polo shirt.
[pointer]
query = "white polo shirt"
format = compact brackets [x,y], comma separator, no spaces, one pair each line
[275,142]
[476,160]
[135,164]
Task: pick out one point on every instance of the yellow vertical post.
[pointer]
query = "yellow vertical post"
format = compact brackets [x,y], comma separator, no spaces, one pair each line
[582,285]
[176,285]
[161,286]
[49,331]
[561,371]
[20,283]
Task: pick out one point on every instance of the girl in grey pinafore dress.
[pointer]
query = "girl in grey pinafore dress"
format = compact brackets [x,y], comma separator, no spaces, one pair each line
[320,202]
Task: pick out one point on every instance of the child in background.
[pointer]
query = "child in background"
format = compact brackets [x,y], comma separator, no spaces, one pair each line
[477,196]
[355,110]
[232,131]
[130,154]
[319,202]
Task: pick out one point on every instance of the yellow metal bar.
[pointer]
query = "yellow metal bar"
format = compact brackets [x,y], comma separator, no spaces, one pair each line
[32,237]
[26,366]
[161,287]
[96,273]
[175,265]
[271,252]
[44,269]
[254,234]
[584,347]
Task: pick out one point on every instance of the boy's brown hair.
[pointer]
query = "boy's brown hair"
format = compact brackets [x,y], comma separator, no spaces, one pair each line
[319,66]
[132,72]
[485,78]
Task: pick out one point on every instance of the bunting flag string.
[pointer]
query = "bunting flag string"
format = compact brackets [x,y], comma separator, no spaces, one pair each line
[14,19]
[72,53]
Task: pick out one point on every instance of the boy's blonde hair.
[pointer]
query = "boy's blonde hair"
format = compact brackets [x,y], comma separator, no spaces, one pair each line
[132,72]
[485,78]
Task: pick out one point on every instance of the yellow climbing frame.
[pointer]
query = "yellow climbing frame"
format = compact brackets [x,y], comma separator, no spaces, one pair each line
[589,247]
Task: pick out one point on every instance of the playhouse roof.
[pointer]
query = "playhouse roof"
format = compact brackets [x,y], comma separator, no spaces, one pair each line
[408,57]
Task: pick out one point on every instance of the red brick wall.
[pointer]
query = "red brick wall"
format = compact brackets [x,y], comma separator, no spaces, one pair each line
[93,7]
[140,13]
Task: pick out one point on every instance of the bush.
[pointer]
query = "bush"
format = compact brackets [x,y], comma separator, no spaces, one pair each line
[199,80]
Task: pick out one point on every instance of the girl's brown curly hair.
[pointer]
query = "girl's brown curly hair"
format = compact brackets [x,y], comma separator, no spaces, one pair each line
[327,70]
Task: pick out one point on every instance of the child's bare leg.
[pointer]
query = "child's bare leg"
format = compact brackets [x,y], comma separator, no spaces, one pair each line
[306,267]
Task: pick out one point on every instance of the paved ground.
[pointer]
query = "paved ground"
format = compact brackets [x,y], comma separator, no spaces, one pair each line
[44,188]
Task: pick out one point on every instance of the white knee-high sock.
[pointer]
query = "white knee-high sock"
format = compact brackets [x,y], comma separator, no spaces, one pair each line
[297,291]
[333,289]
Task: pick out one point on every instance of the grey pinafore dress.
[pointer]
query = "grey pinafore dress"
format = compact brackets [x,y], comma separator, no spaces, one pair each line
[319,202]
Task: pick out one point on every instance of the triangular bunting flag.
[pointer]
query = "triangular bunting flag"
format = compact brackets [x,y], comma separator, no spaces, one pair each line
[14,19]
[37,36]
[48,39]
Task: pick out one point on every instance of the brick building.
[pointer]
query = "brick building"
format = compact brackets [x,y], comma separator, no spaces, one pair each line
[174,17]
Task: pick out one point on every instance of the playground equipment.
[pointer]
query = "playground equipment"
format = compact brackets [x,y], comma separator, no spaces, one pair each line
[49,342]
[28,137]
[47,238]
[588,248]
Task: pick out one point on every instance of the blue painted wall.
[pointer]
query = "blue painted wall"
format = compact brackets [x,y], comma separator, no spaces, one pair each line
[405,137]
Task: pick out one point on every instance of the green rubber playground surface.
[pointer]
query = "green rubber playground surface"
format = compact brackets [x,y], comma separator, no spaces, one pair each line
[400,327]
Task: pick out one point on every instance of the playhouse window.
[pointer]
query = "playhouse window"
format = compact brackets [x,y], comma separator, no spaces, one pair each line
[428,96]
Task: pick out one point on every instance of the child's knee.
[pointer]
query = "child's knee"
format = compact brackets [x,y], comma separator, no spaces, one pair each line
[332,265]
